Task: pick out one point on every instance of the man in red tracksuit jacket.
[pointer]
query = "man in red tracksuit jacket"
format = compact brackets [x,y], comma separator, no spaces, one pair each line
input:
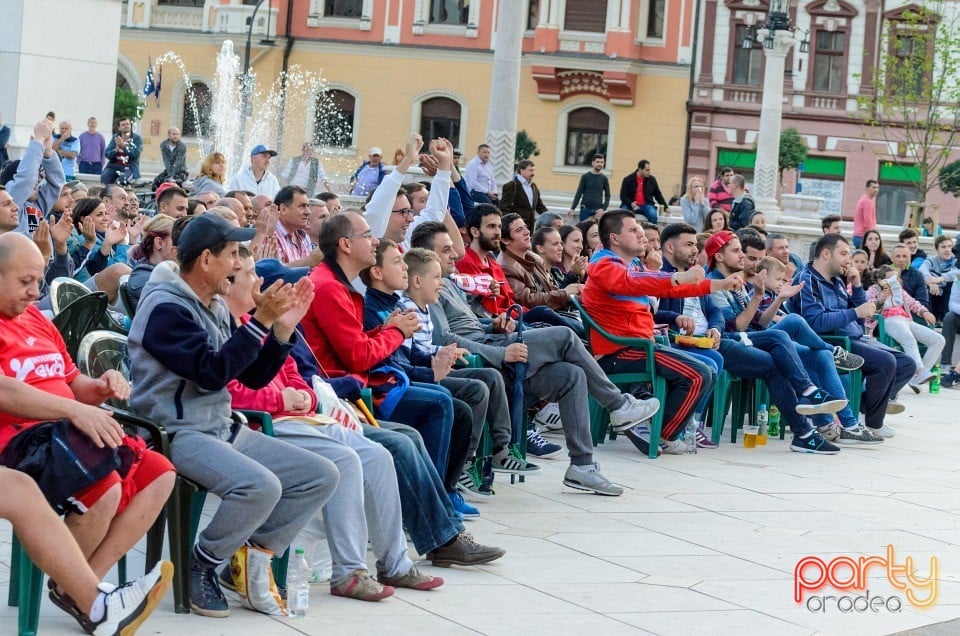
[615,295]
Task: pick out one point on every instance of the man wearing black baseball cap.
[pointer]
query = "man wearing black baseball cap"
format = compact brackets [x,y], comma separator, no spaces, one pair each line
[257,177]
[184,348]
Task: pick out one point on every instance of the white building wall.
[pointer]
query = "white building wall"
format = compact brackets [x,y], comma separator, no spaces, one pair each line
[58,55]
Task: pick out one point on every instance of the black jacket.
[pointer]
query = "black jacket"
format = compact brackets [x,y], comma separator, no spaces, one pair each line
[651,191]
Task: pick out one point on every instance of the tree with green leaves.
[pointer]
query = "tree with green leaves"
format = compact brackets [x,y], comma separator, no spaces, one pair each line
[125,104]
[950,178]
[916,89]
[793,150]
[526,147]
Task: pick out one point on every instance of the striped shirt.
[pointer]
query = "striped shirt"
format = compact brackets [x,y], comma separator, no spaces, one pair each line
[422,339]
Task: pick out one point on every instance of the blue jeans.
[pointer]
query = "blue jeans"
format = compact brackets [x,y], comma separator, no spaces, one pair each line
[754,362]
[429,409]
[587,211]
[114,172]
[91,167]
[646,210]
[481,197]
[817,358]
[548,316]
[427,513]
[857,241]
[711,358]
[780,347]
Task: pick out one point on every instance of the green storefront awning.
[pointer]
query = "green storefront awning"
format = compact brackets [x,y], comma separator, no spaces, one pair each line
[825,167]
[744,159]
[890,171]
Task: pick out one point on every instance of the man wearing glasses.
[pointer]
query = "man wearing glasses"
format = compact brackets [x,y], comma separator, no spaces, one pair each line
[390,213]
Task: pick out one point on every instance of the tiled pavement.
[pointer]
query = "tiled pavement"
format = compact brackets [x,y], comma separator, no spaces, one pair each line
[702,544]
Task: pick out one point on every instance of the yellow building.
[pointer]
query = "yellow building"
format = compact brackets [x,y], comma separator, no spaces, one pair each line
[589,81]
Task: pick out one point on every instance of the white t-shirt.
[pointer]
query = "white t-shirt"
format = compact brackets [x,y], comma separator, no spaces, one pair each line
[693,309]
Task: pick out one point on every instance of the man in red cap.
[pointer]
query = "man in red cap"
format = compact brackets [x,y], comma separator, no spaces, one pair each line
[616,295]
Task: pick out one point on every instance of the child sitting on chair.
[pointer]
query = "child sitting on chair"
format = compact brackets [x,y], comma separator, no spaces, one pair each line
[896,305]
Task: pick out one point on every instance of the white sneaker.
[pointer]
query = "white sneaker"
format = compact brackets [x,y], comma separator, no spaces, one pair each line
[633,412]
[674,447]
[895,408]
[547,419]
[126,607]
[885,431]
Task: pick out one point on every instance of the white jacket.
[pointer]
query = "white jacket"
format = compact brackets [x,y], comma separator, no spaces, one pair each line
[244,180]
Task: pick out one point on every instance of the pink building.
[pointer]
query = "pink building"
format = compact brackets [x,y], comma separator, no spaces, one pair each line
[820,100]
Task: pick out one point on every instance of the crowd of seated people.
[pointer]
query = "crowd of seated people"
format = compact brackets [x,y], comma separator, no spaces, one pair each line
[388,343]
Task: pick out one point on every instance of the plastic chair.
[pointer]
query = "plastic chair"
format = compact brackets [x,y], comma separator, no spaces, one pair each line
[26,585]
[64,291]
[856,376]
[80,317]
[599,417]
[126,301]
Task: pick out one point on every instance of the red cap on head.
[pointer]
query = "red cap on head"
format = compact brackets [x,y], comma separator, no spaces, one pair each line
[716,242]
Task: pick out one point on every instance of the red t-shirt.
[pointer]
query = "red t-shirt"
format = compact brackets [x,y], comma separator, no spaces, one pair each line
[639,198]
[33,351]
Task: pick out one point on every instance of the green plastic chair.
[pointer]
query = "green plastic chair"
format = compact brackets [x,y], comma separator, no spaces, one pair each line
[80,317]
[856,376]
[599,416]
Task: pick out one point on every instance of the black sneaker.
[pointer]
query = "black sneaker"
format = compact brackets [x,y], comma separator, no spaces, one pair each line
[507,461]
[640,437]
[487,476]
[819,402]
[845,360]
[949,380]
[813,444]
[206,597]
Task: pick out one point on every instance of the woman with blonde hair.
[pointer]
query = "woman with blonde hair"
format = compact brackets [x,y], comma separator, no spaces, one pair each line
[694,204]
[213,172]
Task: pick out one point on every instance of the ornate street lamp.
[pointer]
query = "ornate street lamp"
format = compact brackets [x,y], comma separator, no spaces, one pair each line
[777,35]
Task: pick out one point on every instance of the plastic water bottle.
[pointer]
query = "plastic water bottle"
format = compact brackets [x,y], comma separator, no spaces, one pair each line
[935,382]
[313,541]
[690,436]
[298,585]
[773,427]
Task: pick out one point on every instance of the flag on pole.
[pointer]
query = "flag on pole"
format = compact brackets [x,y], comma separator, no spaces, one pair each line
[156,91]
[149,87]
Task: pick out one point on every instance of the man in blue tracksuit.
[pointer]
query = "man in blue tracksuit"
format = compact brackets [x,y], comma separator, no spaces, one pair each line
[825,304]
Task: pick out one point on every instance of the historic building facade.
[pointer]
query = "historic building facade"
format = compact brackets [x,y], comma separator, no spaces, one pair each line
[821,91]
[607,76]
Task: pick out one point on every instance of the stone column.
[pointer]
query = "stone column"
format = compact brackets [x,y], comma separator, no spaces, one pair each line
[505,88]
[771,112]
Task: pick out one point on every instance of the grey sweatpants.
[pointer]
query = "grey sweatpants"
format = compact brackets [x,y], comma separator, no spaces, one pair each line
[268,488]
[365,504]
[561,370]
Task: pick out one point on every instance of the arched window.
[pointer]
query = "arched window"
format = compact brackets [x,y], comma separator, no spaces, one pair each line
[122,83]
[587,130]
[197,104]
[440,117]
[334,119]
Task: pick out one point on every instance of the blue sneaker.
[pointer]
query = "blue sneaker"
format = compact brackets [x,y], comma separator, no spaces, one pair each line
[464,509]
[539,447]
[814,443]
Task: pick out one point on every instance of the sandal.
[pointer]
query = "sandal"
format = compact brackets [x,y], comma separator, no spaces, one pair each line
[63,601]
